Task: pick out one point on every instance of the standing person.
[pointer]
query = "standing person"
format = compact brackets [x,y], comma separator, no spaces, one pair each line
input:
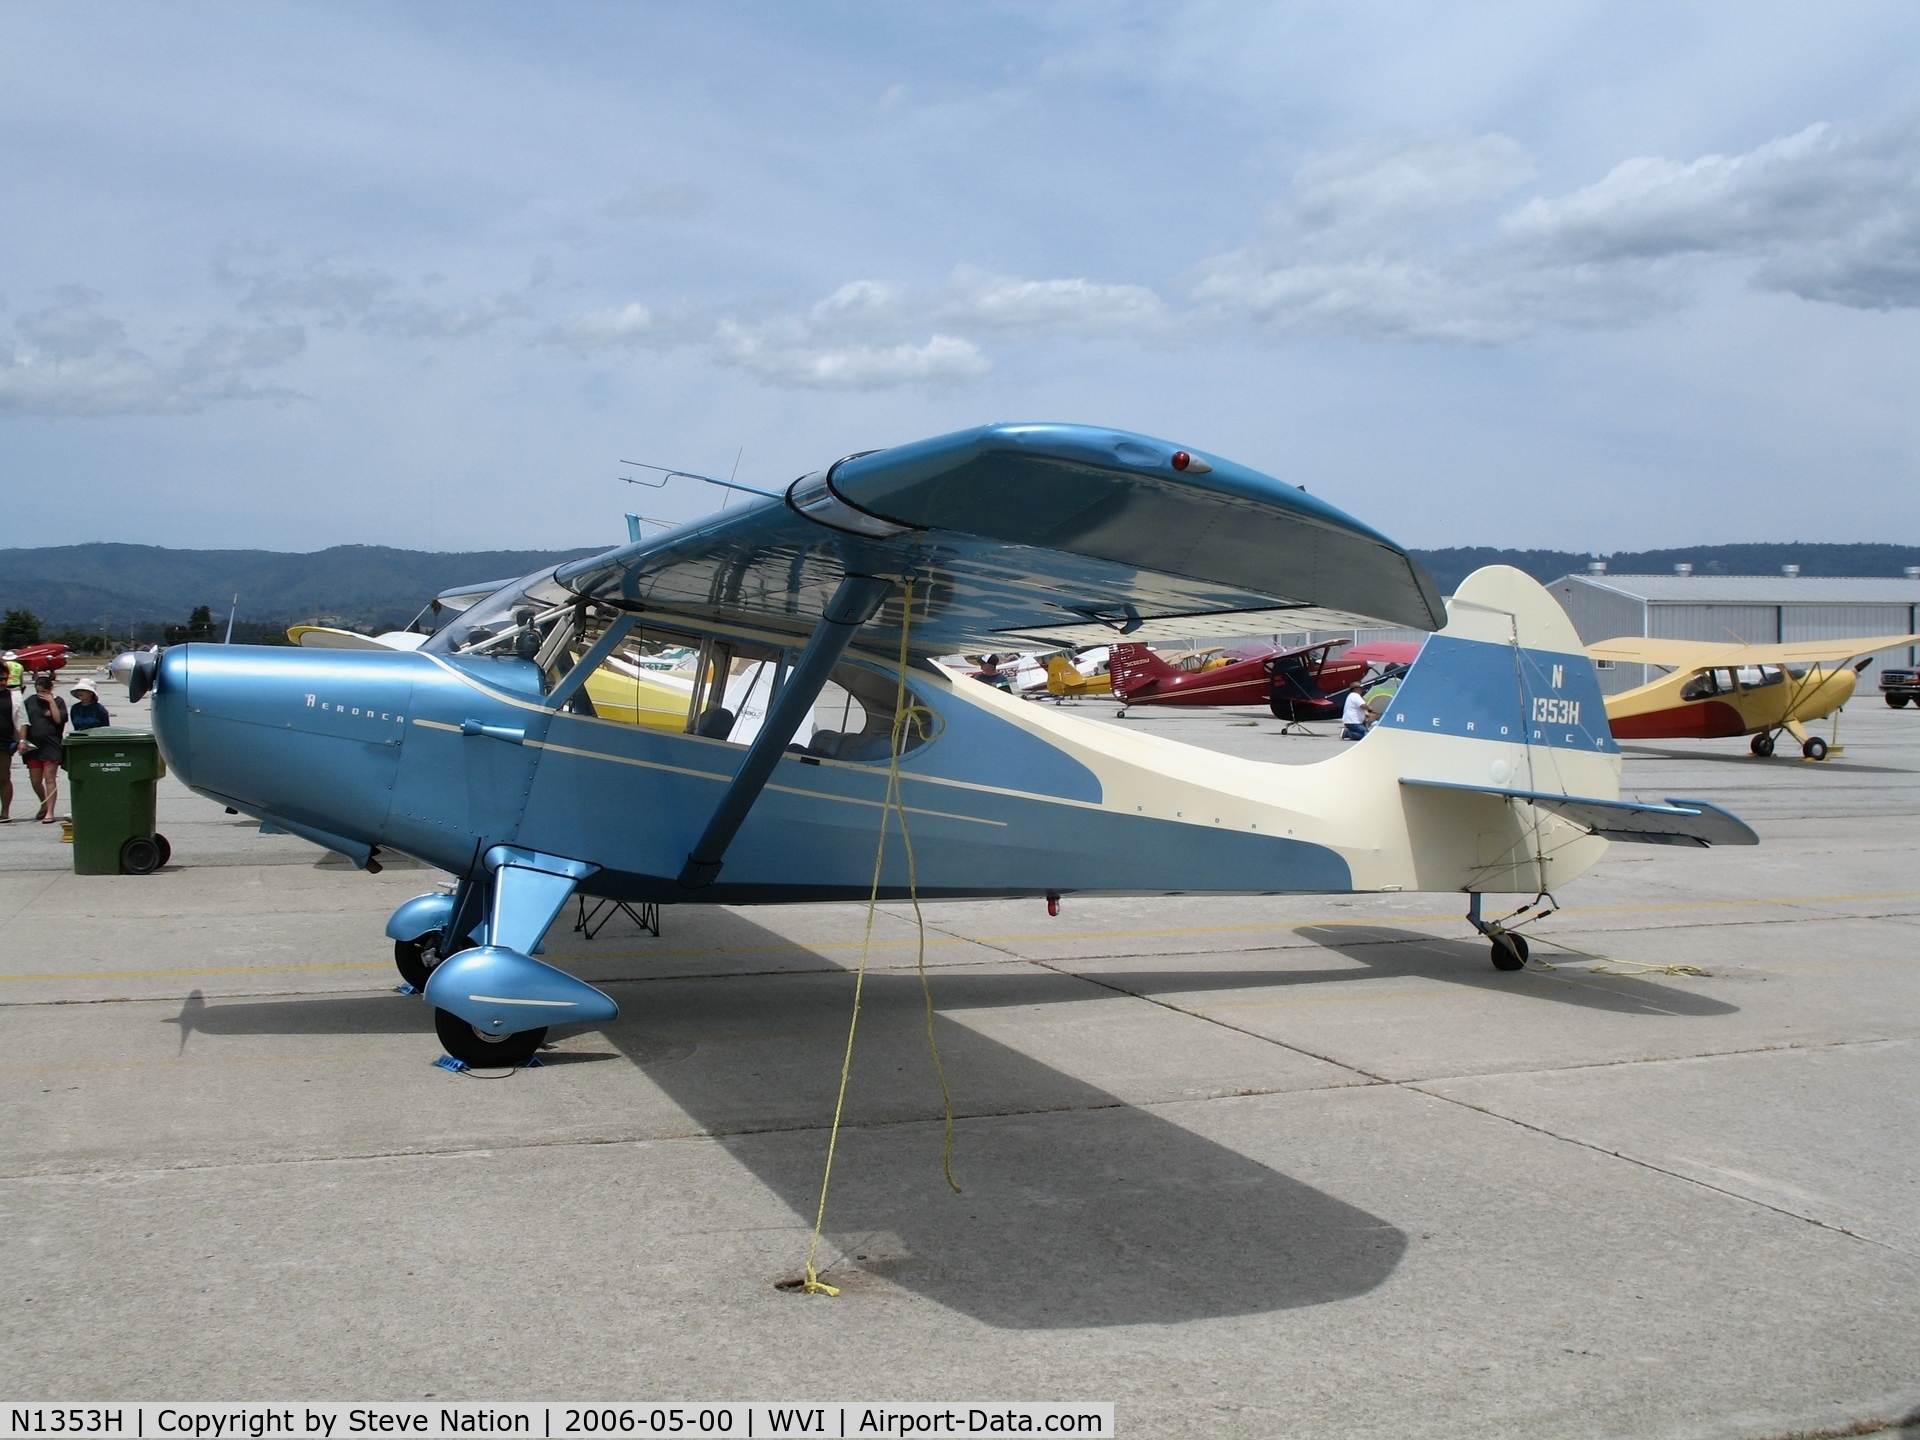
[46,728]
[1353,715]
[10,727]
[989,674]
[88,713]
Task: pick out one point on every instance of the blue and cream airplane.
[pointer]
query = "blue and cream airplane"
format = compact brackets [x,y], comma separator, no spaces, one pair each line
[481,753]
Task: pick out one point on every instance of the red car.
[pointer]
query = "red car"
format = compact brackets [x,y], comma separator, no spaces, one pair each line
[1294,683]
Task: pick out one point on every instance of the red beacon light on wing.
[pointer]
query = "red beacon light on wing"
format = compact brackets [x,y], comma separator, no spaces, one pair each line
[1191,464]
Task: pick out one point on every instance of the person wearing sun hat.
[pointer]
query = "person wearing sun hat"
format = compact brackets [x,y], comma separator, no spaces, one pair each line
[87,712]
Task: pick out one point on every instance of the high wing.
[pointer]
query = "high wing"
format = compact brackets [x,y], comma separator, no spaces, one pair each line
[1707,654]
[1047,536]
[464,597]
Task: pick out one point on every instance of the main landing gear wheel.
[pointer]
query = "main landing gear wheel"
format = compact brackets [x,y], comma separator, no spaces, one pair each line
[485,1052]
[1509,951]
[1815,748]
[1762,746]
[415,959]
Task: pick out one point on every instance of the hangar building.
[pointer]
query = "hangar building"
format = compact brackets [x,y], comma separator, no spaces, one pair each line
[1759,609]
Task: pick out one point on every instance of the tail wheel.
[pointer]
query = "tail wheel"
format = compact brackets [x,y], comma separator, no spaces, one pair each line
[1762,746]
[1509,951]
[1815,748]
[485,1052]
[415,959]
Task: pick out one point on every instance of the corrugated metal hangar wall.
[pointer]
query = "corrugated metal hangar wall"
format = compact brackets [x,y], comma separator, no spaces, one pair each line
[1759,609]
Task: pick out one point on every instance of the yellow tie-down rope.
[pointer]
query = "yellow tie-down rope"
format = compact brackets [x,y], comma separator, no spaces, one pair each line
[905,713]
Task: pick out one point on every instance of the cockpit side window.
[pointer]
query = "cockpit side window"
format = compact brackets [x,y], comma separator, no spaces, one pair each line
[853,718]
[1700,687]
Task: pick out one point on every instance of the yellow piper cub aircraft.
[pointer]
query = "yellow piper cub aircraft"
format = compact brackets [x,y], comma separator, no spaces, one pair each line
[1720,688]
[1085,674]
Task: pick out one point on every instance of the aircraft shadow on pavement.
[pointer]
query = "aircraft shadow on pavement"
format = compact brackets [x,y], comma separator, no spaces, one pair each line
[1654,752]
[1389,953]
[1078,1209]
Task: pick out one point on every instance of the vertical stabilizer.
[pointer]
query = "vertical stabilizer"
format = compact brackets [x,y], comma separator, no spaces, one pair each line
[1134,666]
[1504,696]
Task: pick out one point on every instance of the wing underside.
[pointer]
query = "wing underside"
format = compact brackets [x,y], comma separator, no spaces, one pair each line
[1037,535]
[1708,654]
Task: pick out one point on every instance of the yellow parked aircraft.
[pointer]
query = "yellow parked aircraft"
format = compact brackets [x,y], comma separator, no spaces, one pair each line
[1720,688]
[1064,677]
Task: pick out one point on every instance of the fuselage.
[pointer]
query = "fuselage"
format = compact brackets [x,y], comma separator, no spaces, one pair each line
[1728,701]
[442,757]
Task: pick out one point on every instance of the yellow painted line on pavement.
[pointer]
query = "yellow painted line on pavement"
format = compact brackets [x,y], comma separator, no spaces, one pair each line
[219,970]
[182,1064]
[1439,993]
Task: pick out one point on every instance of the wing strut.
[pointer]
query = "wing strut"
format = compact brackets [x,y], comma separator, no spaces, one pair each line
[853,604]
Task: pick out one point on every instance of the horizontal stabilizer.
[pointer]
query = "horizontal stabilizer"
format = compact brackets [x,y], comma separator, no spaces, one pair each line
[1678,822]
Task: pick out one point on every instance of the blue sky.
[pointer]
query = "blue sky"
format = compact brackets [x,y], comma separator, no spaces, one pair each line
[1589,277]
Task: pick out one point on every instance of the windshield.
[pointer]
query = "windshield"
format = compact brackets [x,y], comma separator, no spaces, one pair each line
[508,622]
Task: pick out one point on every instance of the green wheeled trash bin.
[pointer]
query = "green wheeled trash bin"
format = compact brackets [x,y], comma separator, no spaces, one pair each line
[111,775]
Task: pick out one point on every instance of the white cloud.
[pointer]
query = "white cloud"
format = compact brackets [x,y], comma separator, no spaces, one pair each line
[980,300]
[619,326]
[872,334]
[1834,212]
[1387,181]
[1400,241]
[941,360]
[71,328]
[73,363]
[327,290]
[325,286]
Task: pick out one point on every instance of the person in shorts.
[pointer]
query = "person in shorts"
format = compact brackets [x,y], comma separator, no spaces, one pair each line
[11,724]
[42,744]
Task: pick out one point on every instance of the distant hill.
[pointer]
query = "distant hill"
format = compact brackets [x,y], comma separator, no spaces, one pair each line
[119,589]
[115,588]
[1450,567]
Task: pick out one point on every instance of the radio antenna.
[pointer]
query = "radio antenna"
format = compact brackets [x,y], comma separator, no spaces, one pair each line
[667,473]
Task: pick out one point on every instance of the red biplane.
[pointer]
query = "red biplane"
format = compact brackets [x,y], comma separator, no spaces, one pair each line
[39,659]
[1294,683]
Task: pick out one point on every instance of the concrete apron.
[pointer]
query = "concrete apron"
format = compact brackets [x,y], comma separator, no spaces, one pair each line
[1246,1167]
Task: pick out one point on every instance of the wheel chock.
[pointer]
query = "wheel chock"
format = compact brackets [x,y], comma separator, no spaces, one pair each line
[459,1067]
